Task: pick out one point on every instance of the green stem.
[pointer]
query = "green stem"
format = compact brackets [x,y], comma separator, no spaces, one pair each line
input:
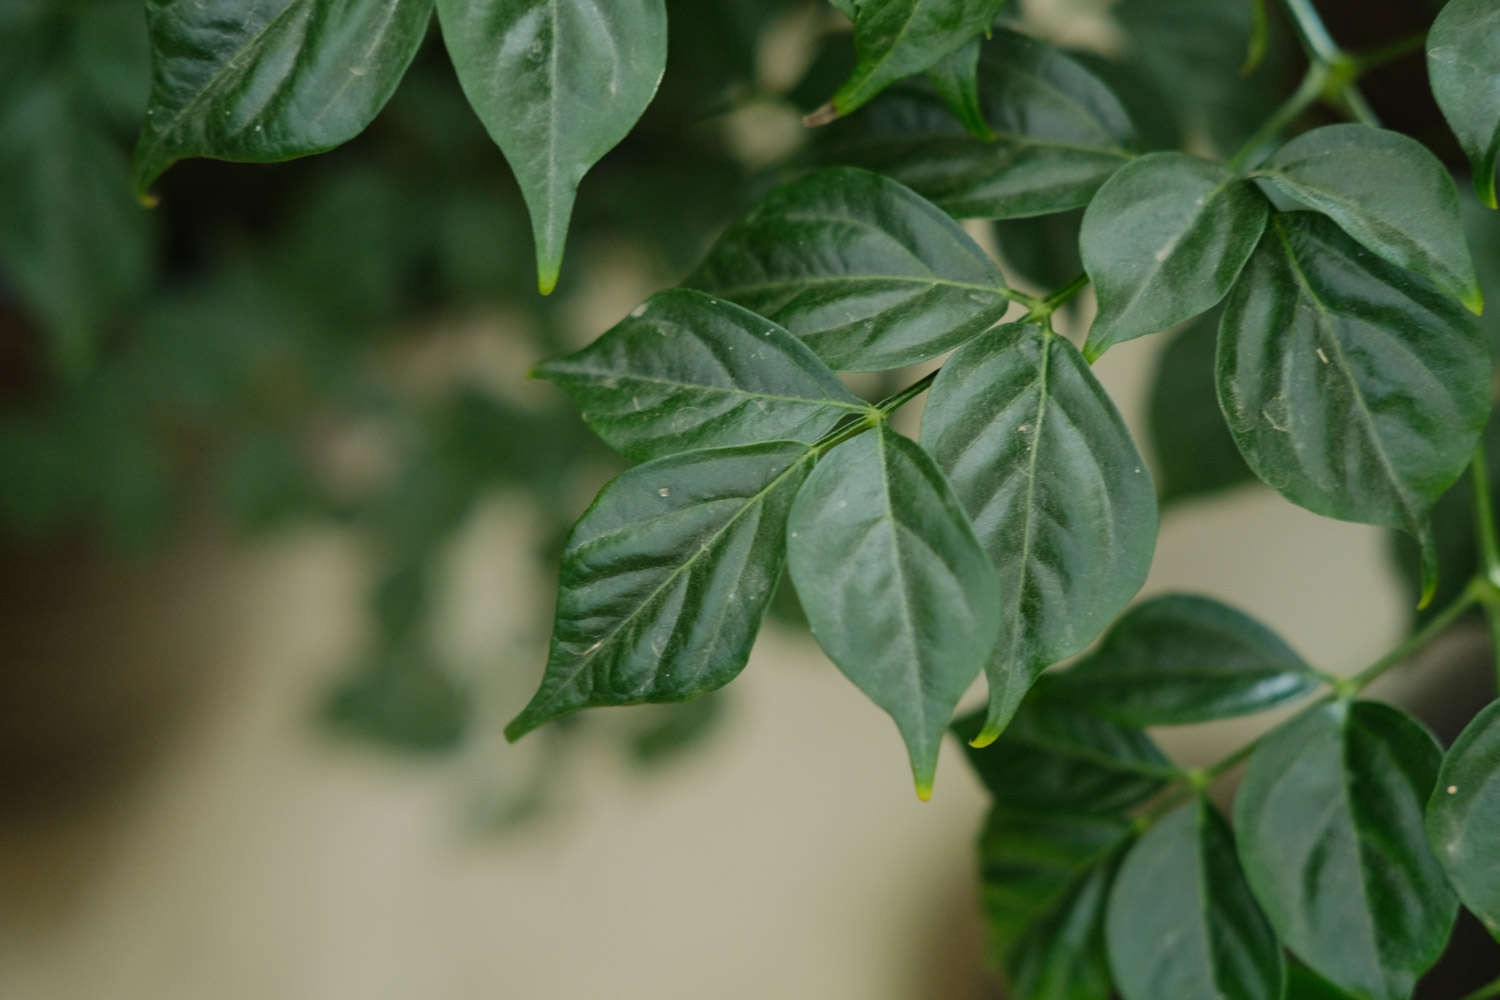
[911,392]
[1306,94]
[1489,991]
[1484,516]
[1315,38]
[1399,49]
[1058,298]
[1435,625]
[1359,109]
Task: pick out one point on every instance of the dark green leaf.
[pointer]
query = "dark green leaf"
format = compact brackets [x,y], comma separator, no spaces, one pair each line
[1041,250]
[1182,658]
[1045,877]
[1164,240]
[266,80]
[558,83]
[1352,388]
[1385,190]
[1329,823]
[1181,921]
[956,80]
[1304,984]
[665,579]
[867,273]
[1059,133]
[1463,817]
[1463,63]
[1058,494]
[687,371]
[1194,451]
[895,585]
[896,38]
[1054,755]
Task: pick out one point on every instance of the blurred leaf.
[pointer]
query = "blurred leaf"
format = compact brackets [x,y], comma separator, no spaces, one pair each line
[678,729]
[401,701]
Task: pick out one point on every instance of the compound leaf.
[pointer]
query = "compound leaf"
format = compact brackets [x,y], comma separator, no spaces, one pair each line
[686,371]
[665,579]
[1464,814]
[895,585]
[1463,63]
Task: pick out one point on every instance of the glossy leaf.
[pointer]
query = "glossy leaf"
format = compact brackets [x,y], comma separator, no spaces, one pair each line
[685,371]
[1385,190]
[1352,388]
[896,38]
[558,83]
[1181,921]
[1463,64]
[1164,240]
[1195,454]
[1044,881]
[1059,133]
[894,583]
[1184,658]
[956,79]
[1057,492]
[1329,824]
[665,579]
[867,273]
[1055,755]
[1463,817]
[266,80]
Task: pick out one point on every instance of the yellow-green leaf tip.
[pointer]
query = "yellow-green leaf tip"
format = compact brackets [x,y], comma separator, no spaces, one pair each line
[924,790]
[546,277]
[989,734]
[1474,301]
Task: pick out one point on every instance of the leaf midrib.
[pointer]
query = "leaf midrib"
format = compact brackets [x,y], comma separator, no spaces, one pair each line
[604,374]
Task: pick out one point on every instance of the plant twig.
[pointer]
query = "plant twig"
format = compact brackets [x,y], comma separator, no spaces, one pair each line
[1306,94]
[1316,40]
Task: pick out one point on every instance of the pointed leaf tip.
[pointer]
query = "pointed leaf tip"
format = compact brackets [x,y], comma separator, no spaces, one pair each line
[987,735]
[924,790]
[822,116]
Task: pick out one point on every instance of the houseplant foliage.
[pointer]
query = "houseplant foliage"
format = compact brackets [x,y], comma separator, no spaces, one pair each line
[1015,527]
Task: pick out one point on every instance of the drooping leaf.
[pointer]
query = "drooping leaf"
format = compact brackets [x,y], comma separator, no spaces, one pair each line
[1059,131]
[665,579]
[1055,755]
[867,273]
[1329,825]
[1350,387]
[1464,815]
[1183,658]
[1044,881]
[1385,190]
[895,585]
[1163,240]
[896,38]
[1181,921]
[1463,64]
[1057,492]
[955,77]
[1195,454]
[686,371]
[558,83]
[265,80]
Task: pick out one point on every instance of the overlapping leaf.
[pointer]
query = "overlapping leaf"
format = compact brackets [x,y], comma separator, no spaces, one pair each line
[558,83]
[267,80]
[1059,133]
[1057,492]
[687,371]
[1181,921]
[868,274]
[895,585]
[1351,387]
[1330,832]
[1464,815]
[1184,658]
[1463,63]
[1164,240]
[1388,192]
[665,579]
[956,80]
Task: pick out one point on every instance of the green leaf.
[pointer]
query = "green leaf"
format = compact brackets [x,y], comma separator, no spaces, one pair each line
[956,80]
[1058,494]
[1464,815]
[1183,658]
[1181,921]
[1385,190]
[894,583]
[1463,64]
[1329,823]
[1055,755]
[867,273]
[1304,984]
[1059,131]
[1195,454]
[1352,388]
[687,371]
[665,579]
[1163,240]
[896,38]
[1044,881]
[558,83]
[259,81]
